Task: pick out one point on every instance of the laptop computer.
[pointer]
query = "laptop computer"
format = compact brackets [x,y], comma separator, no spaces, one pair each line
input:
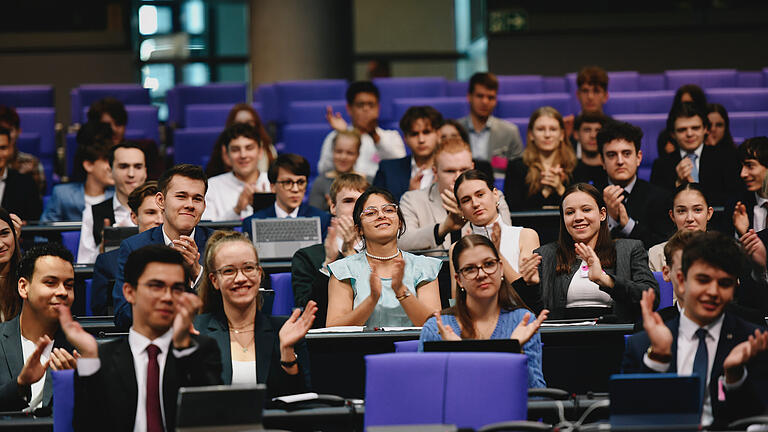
[660,401]
[474,345]
[280,238]
[220,408]
[113,236]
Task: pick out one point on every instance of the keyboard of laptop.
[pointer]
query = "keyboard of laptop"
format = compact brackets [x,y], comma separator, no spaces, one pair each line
[286,230]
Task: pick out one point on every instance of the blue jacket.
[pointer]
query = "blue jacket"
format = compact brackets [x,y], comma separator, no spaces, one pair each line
[305,210]
[67,202]
[123,311]
[104,272]
[394,175]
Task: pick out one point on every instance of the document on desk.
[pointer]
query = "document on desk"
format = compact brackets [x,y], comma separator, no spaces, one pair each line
[570,324]
[396,329]
[338,329]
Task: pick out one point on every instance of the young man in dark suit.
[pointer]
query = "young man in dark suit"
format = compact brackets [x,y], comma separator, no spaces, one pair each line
[706,339]
[32,341]
[289,175]
[181,198]
[693,161]
[419,125]
[118,384]
[751,211]
[636,208]
[309,274]
[18,193]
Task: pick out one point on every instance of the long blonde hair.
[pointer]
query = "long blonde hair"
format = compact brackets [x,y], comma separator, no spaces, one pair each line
[564,155]
[211,297]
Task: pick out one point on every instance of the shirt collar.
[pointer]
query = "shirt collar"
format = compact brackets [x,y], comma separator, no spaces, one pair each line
[4,175]
[486,127]
[760,200]
[688,328]
[697,152]
[279,212]
[167,240]
[139,342]
[628,188]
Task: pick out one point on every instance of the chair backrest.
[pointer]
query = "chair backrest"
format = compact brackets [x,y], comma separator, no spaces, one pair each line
[283,302]
[666,290]
[33,95]
[84,95]
[71,241]
[64,400]
[194,145]
[407,346]
[466,389]
[216,93]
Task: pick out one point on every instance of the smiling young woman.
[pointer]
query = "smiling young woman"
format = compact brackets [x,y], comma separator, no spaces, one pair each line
[381,285]
[586,274]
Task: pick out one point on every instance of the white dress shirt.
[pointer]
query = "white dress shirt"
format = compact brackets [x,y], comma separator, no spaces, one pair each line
[27,348]
[282,214]
[139,343]
[612,223]
[88,250]
[223,192]
[390,146]
[687,345]
[427,174]
[3,177]
[759,213]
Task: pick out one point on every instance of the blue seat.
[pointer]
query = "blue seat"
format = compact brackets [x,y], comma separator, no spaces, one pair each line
[749,79]
[220,93]
[520,84]
[19,96]
[308,90]
[704,78]
[29,143]
[84,95]
[651,82]
[555,85]
[645,102]
[212,115]
[266,95]
[283,302]
[396,88]
[666,291]
[466,389]
[407,346]
[740,99]
[41,121]
[303,112]
[194,145]
[749,124]
[71,241]
[306,140]
[449,107]
[652,125]
[64,400]
[456,88]
[88,292]
[524,105]
[143,122]
[622,81]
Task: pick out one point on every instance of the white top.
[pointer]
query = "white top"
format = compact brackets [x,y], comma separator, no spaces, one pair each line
[428,174]
[582,292]
[244,372]
[223,193]
[510,240]
[279,212]
[88,250]
[760,213]
[93,200]
[390,146]
[27,348]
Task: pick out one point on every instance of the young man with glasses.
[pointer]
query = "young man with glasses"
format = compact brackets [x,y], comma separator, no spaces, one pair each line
[288,176]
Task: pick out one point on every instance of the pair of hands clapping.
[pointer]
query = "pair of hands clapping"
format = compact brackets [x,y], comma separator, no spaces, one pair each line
[523,332]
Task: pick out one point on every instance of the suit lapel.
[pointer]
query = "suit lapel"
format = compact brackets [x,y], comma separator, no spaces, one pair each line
[218,330]
[728,340]
[264,336]
[123,360]
[10,341]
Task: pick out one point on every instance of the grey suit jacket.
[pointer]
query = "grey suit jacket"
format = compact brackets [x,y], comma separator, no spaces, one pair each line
[505,138]
[423,209]
[630,273]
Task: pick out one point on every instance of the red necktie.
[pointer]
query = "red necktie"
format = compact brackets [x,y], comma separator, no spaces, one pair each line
[154,415]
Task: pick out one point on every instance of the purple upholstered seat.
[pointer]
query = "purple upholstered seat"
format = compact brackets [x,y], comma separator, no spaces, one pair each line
[520,84]
[617,81]
[84,95]
[306,140]
[704,78]
[18,96]
[142,122]
[194,145]
[524,105]
[555,85]
[281,285]
[749,124]
[652,125]
[449,107]
[643,102]
[456,88]
[311,90]
[652,82]
[740,99]
[314,111]
[407,346]
[749,79]
[395,88]
[666,291]
[219,93]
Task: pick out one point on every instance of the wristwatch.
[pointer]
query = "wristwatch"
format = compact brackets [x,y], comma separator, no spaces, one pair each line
[291,363]
[661,358]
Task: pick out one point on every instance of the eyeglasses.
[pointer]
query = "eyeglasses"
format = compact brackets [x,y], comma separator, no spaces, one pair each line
[370,213]
[472,271]
[160,288]
[288,184]
[249,269]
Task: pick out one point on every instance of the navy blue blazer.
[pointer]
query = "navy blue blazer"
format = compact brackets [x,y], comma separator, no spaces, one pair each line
[123,312]
[104,271]
[305,210]
[748,400]
[67,202]
[267,343]
[394,175]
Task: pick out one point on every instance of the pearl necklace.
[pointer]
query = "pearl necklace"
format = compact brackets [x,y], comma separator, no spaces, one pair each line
[386,258]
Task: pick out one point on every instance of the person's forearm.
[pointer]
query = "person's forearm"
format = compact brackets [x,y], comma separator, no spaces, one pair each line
[417,311]
[509,273]
[357,317]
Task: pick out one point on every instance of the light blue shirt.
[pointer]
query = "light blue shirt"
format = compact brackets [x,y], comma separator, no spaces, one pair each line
[508,320]
[388,312]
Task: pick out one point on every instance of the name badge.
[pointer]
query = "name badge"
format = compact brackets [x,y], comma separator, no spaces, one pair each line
[584,271]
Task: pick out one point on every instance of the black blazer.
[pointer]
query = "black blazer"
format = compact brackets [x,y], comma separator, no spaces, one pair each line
[101,211]
[649,206]
[21,196]
[748,400]
[107,399]
[394,175]
[308,283]
[104,272]
[516,189]
[631,277]
[267,343]
[718,174]
[11,363]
